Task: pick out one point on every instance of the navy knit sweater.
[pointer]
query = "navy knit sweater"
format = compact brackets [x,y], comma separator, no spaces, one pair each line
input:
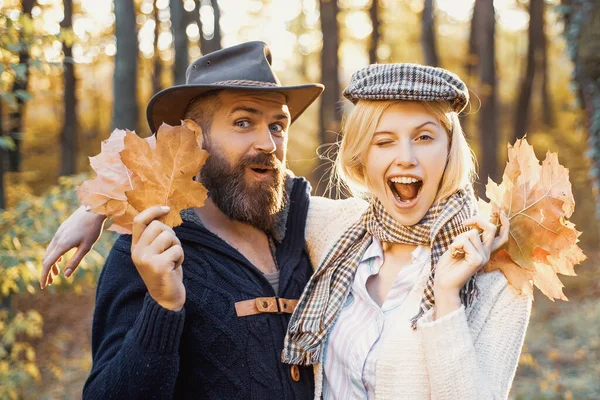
[141,350]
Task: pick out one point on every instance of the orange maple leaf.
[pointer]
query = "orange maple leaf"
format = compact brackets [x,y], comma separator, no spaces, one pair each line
[167,171]
[537,200]
[107,194]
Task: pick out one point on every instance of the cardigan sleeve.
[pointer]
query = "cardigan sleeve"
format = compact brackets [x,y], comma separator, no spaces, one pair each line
[476,362]
[326,222]
[135,341]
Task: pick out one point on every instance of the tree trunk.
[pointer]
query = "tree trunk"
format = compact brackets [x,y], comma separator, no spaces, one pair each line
[216,40]
[547,109]
[68,138]
[330,114]
[428,35]
[178,25]
[376,34]
[536,17]
[488,121]
[156,61]
[2,158]
[15,118]
[125,107]
[214,43]
[582,31]
[471,66]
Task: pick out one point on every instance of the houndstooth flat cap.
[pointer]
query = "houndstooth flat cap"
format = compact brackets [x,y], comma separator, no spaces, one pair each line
[407,82]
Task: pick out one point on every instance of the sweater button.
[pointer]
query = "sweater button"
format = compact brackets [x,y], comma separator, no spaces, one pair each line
[295,372]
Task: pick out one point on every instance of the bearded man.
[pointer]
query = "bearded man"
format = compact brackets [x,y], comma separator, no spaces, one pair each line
[212,324]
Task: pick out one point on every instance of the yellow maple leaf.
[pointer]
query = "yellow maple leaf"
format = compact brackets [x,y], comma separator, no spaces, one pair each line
[542,243]
[167,171]
[123,186]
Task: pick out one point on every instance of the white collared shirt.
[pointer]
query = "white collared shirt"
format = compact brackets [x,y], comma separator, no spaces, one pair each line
[352,345]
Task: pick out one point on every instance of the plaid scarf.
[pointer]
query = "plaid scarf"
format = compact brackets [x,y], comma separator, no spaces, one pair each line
[325,293]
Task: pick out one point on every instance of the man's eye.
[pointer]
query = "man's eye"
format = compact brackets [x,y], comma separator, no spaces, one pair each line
[242,124]
[276,128]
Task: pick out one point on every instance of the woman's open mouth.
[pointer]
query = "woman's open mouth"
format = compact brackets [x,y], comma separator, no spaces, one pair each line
[406,190]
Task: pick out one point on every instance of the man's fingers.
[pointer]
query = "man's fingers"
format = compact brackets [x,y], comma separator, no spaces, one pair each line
[174,254]
[143,219]
[165,240]
[152,231]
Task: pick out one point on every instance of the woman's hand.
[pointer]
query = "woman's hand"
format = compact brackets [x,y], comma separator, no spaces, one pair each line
[467,254]
[81,230]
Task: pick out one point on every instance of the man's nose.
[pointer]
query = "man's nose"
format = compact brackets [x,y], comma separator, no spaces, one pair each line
[405,155]
[265,141]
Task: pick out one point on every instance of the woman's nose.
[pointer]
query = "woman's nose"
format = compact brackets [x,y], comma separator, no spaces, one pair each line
[405,155]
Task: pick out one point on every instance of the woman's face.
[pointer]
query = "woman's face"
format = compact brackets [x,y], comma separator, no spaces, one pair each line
[406,160]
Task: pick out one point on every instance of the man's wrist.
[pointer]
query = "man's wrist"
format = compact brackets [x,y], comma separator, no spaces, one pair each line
[170,305]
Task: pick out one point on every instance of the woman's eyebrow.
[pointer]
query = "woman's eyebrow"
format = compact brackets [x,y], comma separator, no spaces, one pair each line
[416,128]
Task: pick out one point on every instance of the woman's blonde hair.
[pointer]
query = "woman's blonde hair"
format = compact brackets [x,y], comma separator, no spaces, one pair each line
[359,127]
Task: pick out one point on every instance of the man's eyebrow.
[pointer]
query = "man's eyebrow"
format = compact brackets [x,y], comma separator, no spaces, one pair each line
[281,116]
[246,109]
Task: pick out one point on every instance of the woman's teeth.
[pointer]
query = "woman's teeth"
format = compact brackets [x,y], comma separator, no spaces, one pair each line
[404,179]
[405,188]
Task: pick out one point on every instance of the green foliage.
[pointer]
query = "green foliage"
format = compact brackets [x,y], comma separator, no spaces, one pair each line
[17,37]
[17,357]
[25,231]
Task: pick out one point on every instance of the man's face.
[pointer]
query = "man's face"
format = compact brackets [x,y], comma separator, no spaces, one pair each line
[247,144]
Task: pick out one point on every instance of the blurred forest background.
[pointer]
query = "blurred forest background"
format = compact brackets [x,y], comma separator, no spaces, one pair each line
[72,70]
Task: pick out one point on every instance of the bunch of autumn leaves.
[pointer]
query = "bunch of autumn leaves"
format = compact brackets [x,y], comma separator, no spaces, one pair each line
[135,173]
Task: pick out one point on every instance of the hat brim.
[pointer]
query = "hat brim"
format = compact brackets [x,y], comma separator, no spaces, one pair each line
[168,106]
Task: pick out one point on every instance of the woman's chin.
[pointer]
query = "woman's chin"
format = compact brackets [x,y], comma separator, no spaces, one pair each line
[407,212]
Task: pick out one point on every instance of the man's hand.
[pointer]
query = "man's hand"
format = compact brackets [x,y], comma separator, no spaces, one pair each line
[81,230]
[157,255]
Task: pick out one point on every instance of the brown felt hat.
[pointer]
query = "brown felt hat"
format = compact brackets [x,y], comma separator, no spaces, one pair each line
[246,66]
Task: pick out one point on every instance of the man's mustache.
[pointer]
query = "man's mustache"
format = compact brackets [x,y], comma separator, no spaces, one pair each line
[261,159]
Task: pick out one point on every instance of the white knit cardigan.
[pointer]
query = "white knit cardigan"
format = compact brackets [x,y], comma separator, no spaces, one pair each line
[467,354]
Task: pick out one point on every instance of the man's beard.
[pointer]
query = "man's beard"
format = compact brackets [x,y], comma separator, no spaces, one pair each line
[256,203]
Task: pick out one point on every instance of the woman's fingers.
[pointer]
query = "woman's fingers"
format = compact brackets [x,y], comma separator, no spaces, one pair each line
[76,259]
[462,244]
[488,230]
[503,235]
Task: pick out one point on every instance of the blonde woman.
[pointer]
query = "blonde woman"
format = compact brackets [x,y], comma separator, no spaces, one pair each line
[397,309]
